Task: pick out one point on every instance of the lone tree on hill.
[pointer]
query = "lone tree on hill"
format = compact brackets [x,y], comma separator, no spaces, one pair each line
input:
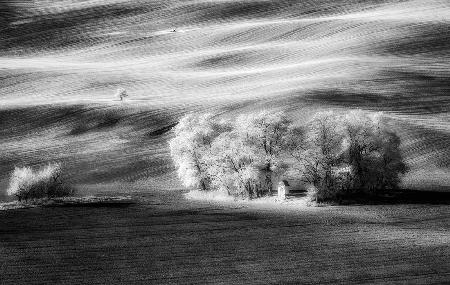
[121,93]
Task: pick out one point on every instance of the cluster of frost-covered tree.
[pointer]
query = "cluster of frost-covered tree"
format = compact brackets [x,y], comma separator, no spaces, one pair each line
[349,154]
[336,154]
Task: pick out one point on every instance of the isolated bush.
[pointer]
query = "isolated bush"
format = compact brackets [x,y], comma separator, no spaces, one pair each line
[45,182]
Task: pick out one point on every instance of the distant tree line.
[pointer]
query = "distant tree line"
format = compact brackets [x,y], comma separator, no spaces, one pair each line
[337,155]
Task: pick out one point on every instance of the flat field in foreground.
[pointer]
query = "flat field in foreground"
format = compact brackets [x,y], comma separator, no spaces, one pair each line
[166,239]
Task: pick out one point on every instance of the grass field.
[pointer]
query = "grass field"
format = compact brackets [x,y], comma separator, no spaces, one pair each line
[166,239]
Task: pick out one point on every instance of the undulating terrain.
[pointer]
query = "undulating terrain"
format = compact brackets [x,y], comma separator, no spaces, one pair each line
[61,63]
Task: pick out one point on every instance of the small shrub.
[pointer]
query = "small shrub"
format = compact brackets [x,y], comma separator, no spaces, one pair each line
[45,182]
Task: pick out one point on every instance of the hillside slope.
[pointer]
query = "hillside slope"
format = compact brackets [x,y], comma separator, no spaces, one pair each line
[173,57]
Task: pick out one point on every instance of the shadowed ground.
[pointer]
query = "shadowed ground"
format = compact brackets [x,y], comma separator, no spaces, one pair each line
[168,240]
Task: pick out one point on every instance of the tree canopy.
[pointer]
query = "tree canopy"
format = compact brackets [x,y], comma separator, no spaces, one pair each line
[337,154]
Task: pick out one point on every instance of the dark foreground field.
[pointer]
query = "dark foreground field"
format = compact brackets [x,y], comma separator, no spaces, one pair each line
[166,239]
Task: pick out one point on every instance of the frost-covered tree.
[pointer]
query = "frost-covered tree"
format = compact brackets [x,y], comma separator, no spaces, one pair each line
[232,166]
[321,153]
[337,154]
[373,152]
[265,133]
[242,156]
[355,153]
[190,149]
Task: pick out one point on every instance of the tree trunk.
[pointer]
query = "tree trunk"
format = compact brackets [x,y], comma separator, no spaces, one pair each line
[268,182]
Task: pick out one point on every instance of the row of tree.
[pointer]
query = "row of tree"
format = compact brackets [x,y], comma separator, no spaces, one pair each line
[336,154]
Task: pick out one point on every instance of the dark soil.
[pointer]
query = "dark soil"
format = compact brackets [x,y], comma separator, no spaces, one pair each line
[165,239]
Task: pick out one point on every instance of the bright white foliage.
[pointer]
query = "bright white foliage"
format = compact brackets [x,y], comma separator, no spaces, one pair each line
[356,152]
[240,157]
[190,146]
[335,153]
[373,152]
[232,165]
[25,180]
[325,139]
[321,152]
[266,134]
